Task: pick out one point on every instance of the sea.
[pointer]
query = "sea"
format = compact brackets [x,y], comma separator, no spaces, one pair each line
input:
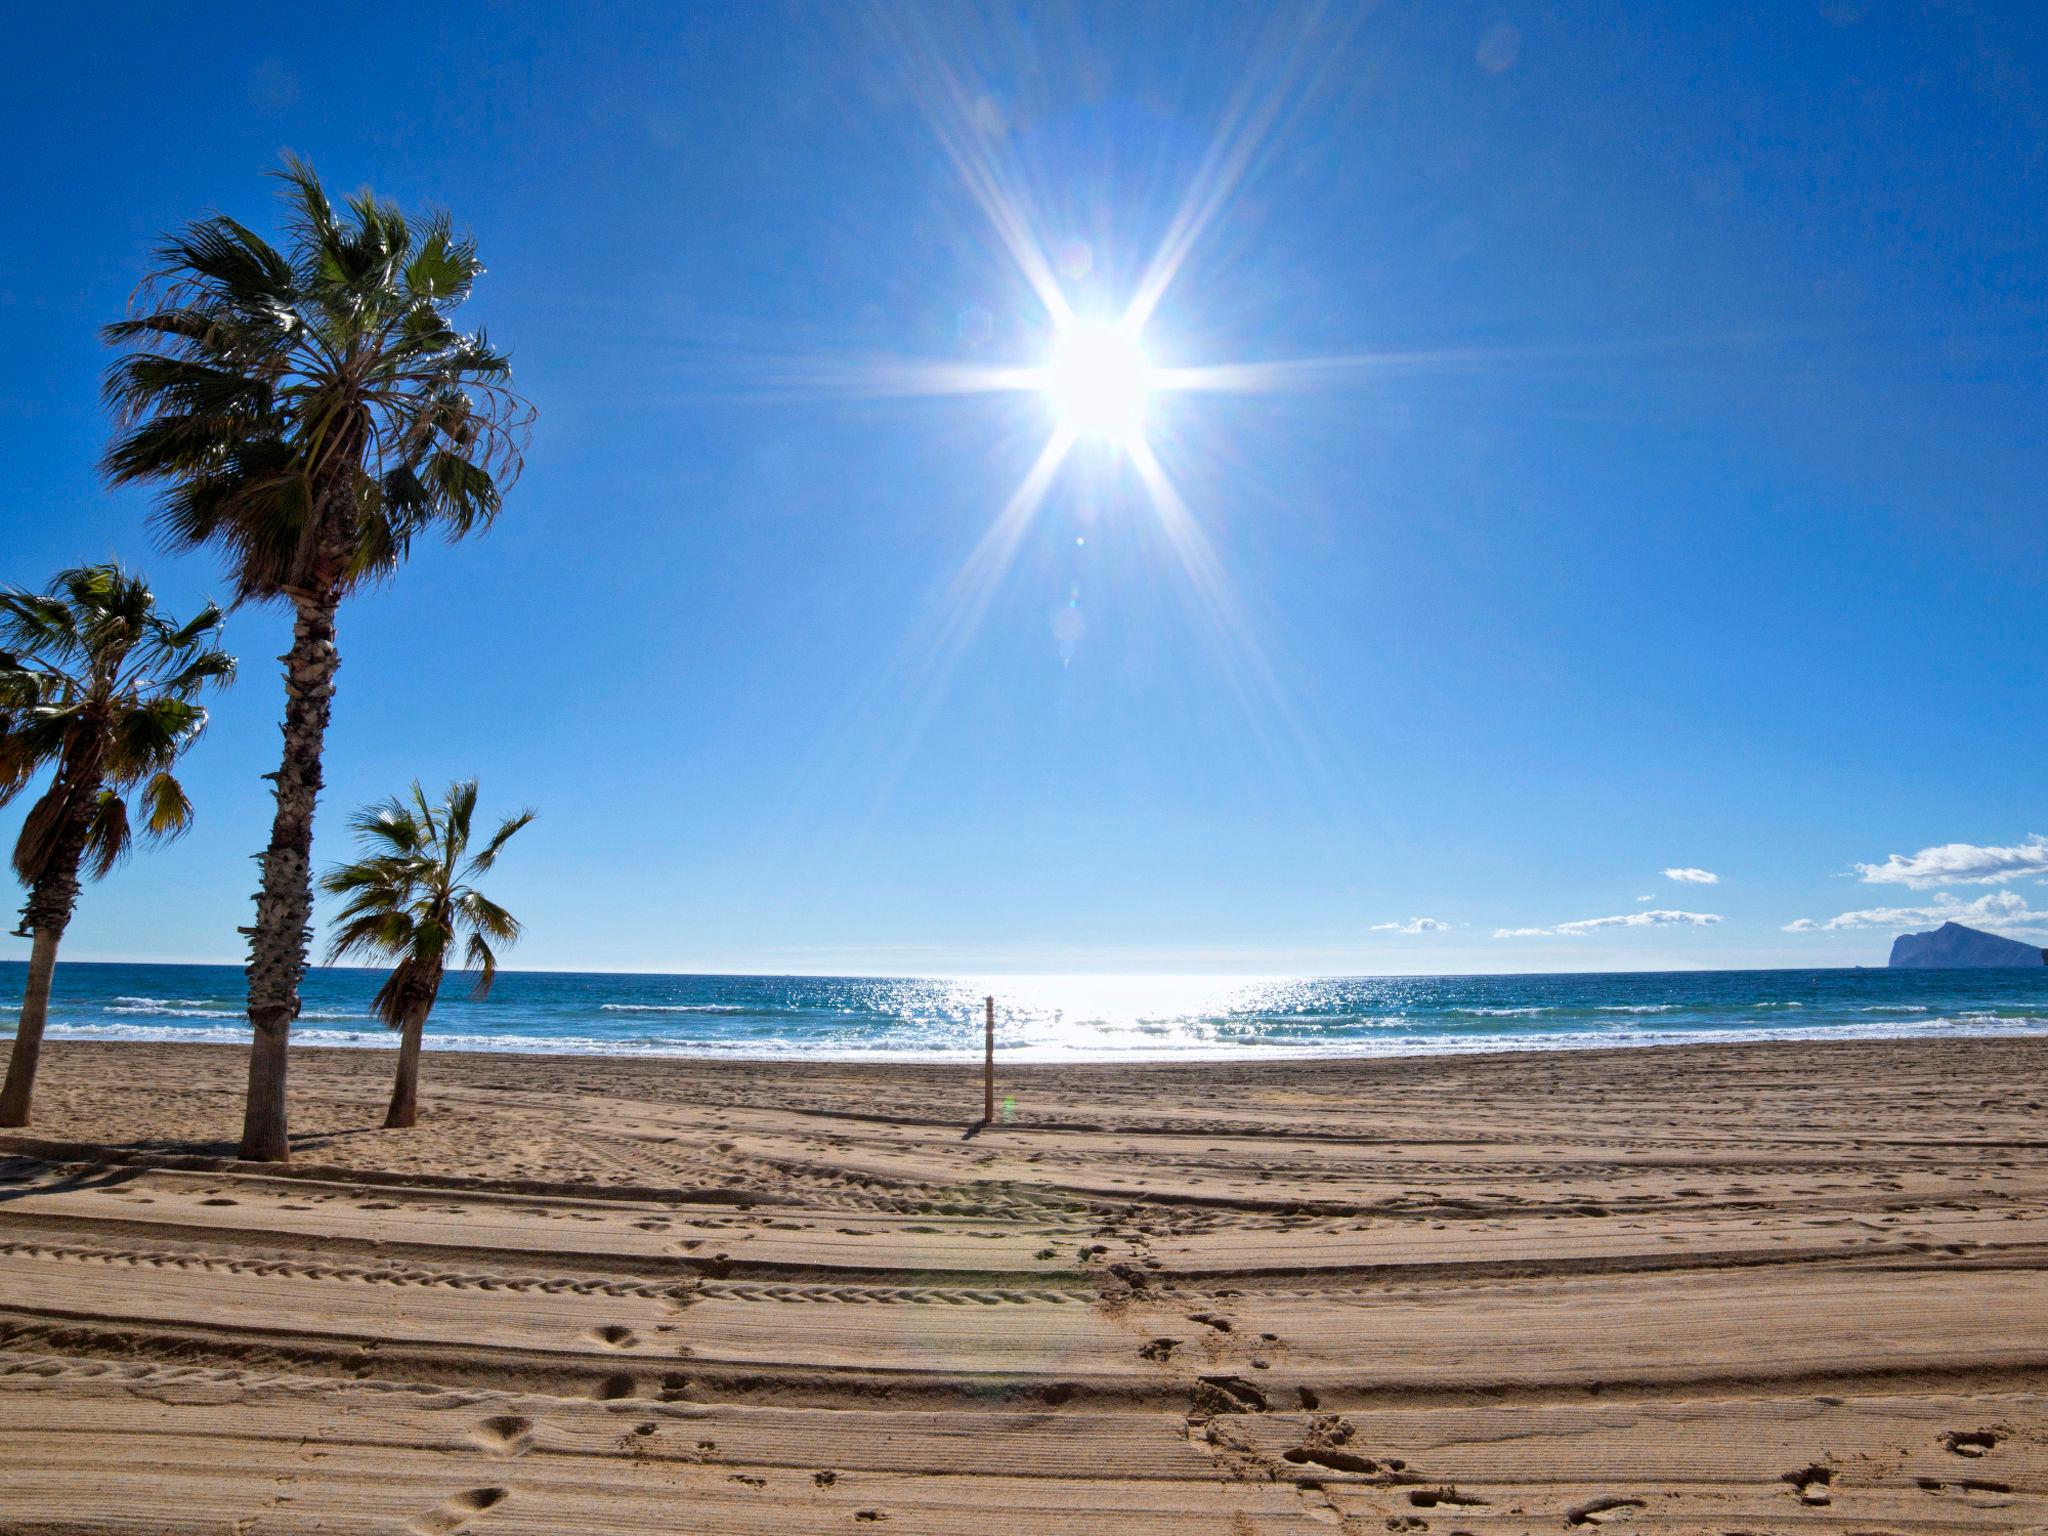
[1064,1018]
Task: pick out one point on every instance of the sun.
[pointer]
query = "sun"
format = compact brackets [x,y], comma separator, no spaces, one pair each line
[1099,381]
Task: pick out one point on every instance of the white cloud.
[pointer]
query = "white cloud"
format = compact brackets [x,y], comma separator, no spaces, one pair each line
[1693,876]
[1585,925]
[2006,909]
[1960,864]
[1413,925]
[1651,897]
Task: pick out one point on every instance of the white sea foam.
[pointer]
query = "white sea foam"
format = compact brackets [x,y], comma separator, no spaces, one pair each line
[203,1008]
[714,1008]
[158,1008]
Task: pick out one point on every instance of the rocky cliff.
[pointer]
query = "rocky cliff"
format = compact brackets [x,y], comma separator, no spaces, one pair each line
[1952,945]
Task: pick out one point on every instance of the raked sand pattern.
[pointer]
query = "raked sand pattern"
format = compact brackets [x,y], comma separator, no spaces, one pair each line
[1718,1289]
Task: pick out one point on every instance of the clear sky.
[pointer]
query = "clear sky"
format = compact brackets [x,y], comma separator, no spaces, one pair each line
[1668,494]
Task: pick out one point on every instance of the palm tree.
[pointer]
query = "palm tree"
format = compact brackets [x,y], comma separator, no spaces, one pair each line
[103,690]
[308,412]
[408,900]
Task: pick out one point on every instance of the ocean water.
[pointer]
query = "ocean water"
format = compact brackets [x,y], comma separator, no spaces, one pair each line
[1065,1018]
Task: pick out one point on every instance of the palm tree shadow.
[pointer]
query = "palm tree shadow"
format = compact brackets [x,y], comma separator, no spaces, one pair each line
[324,1138]
[19,1172]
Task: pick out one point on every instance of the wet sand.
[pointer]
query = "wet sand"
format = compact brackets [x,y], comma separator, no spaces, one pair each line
[1719,1288]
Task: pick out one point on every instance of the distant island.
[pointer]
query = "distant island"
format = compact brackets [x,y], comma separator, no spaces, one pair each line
[1952,946]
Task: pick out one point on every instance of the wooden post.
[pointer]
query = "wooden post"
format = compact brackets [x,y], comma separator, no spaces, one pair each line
[988,1066]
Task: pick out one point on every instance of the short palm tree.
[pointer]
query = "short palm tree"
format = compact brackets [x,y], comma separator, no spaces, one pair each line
[408,900]
[308,412]
[102,690]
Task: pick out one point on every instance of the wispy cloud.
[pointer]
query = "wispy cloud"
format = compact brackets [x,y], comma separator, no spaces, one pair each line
[1689,876]
[1657,917]
[2006,909]
[1651,897]
[1961,864]
[1413,925]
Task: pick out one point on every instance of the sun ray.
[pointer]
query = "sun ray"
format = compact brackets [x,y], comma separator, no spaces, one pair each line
[1205,573]
[958,119]
[1254,681]
[883,377]
[966,601]
[1247,130]
[1294,374]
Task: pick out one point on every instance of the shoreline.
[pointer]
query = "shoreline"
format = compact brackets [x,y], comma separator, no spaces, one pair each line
[1776,1286]
[1618,1036]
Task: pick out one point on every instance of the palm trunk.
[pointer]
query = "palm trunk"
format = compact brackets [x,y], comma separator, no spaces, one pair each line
[284,904]
[48,913]
[405,1091]
[28,1035]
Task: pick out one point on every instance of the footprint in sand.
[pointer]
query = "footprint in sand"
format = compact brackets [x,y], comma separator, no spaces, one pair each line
[505,1434]
[1978,1491]
[221,1200]
[1969,1442]
[1812,1483]
[458,1512]
[617,1335]
[1600,1511]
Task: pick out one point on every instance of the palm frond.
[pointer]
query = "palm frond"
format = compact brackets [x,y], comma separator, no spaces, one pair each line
[146,737]
[488,855]
[106,835]
[486,916]
[380,933]
[42,625]
[479,959]
[194,672]
[42,831]
[167,809]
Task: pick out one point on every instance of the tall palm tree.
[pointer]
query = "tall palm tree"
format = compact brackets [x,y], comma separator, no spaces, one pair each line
[309,412]
[409,900]
[102,690]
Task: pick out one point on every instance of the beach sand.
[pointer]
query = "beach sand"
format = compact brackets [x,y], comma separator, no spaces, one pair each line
[1719,1288]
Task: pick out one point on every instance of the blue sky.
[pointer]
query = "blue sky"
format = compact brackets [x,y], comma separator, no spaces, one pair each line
[1675,500]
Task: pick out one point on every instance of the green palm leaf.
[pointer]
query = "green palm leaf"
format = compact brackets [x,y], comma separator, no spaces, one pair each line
[100,691]
[407,898]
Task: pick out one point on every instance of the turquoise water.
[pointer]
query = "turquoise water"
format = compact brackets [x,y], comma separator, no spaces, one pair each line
[1049,1018]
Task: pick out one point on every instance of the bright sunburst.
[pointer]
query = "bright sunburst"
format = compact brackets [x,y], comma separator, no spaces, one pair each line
[1099,380]
[1103,372]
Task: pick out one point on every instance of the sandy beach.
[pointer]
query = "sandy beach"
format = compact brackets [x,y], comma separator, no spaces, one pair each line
[1722,1288]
